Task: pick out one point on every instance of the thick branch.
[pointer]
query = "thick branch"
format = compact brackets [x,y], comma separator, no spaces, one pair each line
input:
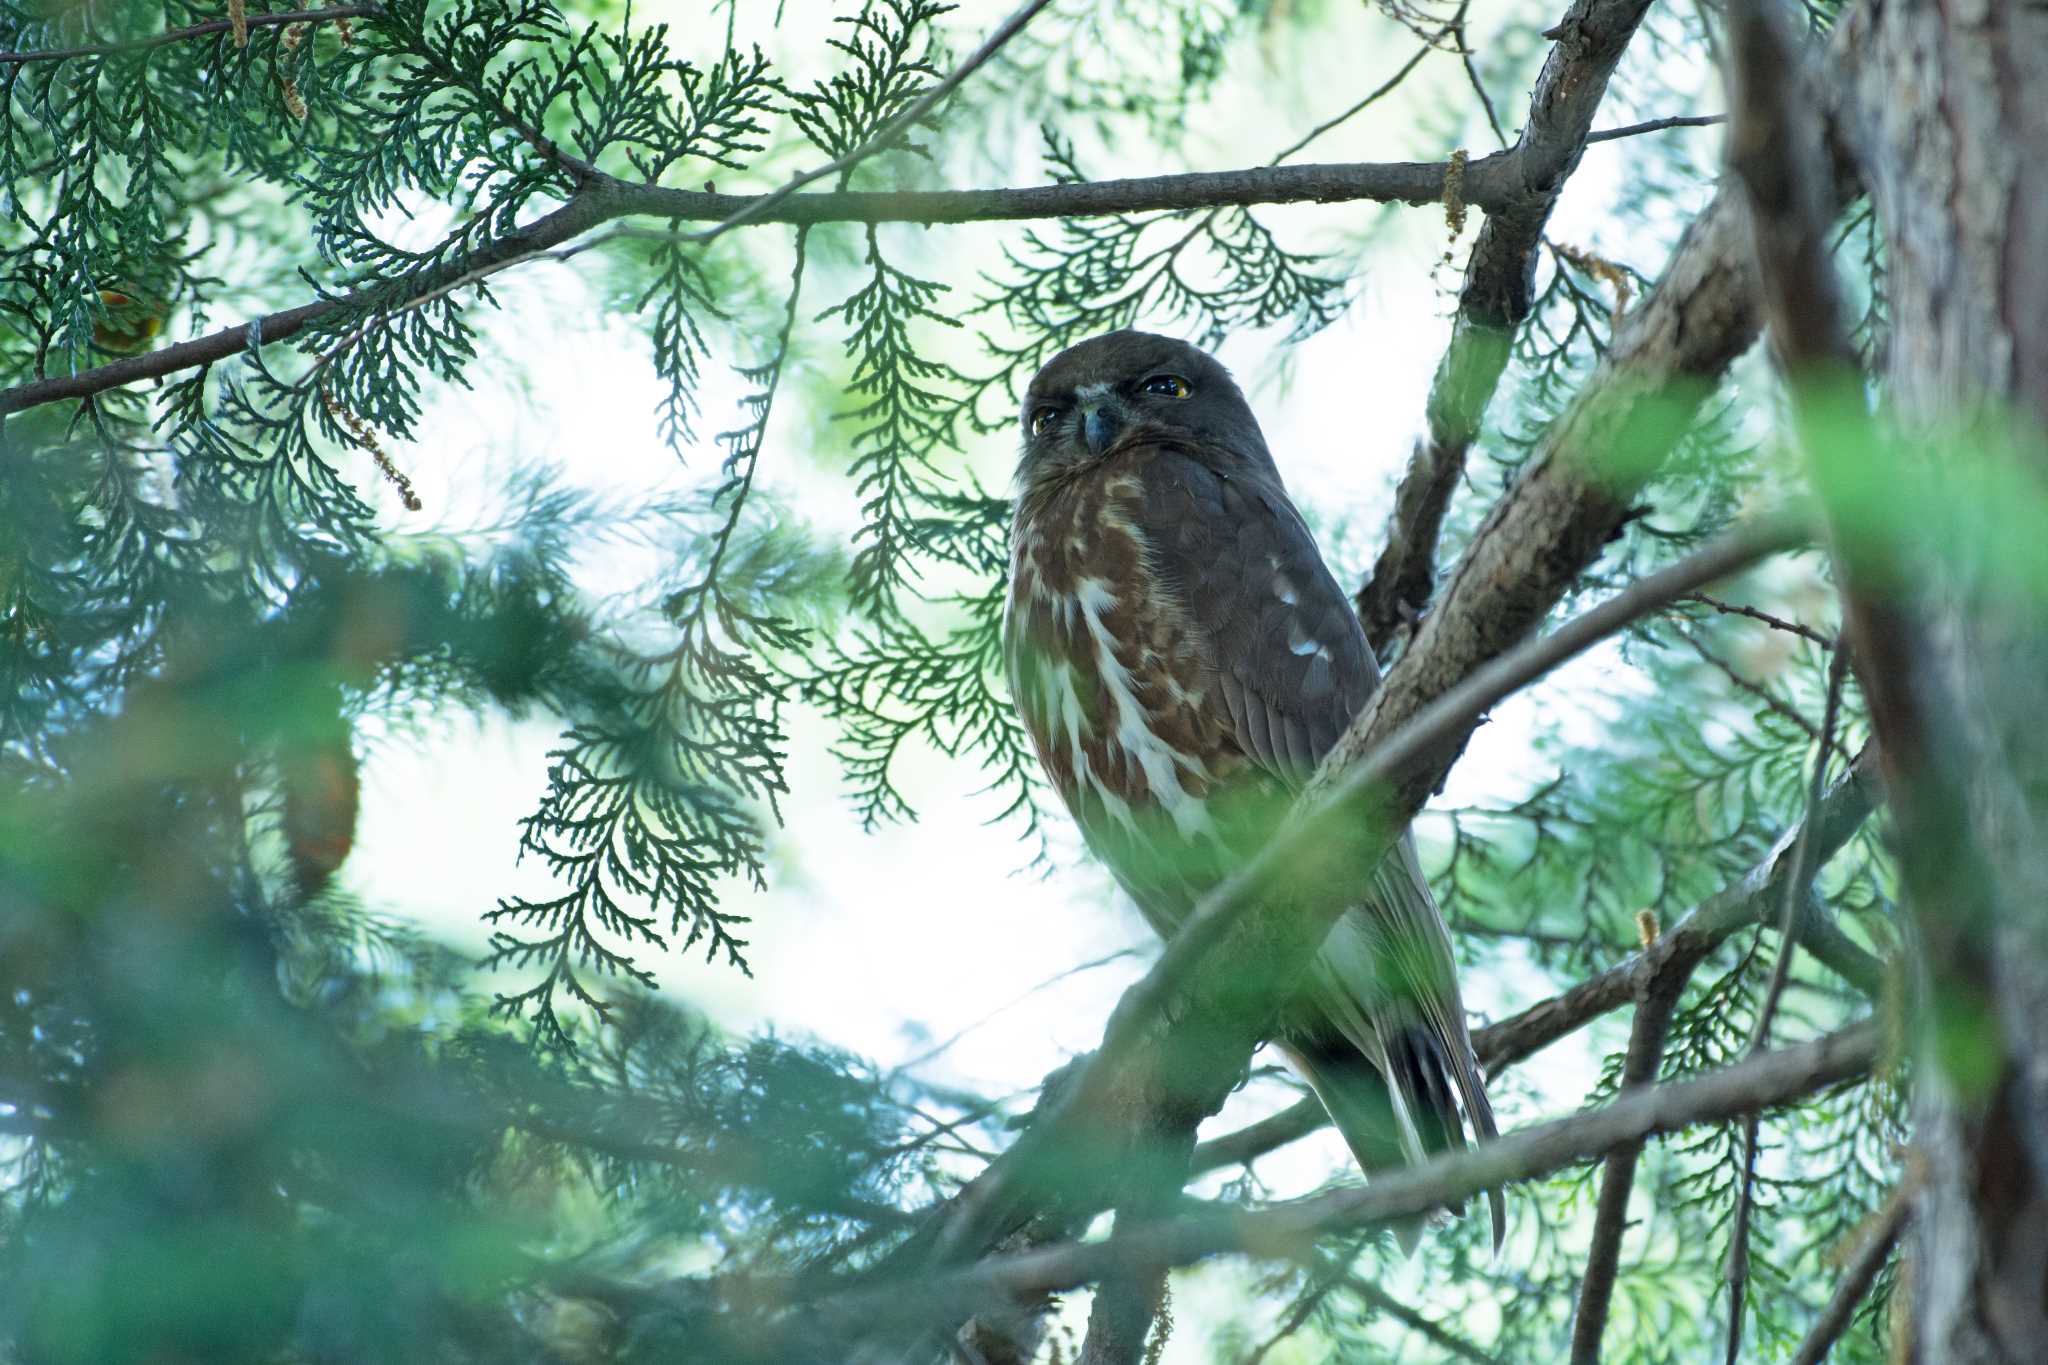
[1952,670]
[1577,491]
[1496,298]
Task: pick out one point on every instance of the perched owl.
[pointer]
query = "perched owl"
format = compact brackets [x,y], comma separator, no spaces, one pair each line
[1183,660]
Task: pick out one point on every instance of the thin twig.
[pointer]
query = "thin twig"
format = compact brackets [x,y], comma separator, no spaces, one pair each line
[1656,1003]
[476,275]
[205,30]
[1777,705]
[883,135]
[1415,1322]
[1797,887]
[1478,86]
[1297,1317]
[1384,88]
[921,1058]
[1774,622]
[1875,1249]
[1657,125]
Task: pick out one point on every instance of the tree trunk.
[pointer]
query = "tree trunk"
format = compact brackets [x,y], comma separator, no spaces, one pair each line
[1954,109]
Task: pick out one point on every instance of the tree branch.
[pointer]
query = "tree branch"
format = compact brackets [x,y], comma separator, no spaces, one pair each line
[585,210]
[1774,622]
[1951,673]
[1876,1248]
[1655,1004]
[1384,88]
[1676,953]
[1760,1082]
[604,198]
[205,30]
[1578,489]
[1416,1322]
[901,122]
[1797,889]
[1495,299]
[1656,125]
[1493,184]
[1772,701]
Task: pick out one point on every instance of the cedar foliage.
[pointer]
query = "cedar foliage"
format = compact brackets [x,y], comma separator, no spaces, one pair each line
[243,1117]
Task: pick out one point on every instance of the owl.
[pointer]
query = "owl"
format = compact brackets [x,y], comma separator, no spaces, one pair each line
[1183,659]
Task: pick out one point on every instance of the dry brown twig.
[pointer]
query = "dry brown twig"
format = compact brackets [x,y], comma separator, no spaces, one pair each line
[239,23]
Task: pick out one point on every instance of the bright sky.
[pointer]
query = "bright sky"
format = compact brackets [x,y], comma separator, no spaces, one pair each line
[890,943]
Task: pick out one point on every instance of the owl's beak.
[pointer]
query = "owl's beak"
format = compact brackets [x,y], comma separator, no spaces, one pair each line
[1101,423]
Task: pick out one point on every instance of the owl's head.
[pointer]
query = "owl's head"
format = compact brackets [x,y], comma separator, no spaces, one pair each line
[1124,387]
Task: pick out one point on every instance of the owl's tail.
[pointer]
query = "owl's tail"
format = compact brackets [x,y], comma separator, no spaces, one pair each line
[1407,1122]
[1392,1062]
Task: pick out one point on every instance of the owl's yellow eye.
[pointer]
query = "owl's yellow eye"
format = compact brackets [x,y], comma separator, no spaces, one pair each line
[1043,418]
[1168,385]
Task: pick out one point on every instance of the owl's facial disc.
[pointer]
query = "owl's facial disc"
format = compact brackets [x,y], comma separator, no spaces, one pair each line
[1124,388]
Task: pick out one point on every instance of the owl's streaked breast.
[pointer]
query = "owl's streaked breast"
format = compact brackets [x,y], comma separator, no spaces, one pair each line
[1116,690]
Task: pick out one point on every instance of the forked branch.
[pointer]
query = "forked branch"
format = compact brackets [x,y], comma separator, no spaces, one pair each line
[1493,302]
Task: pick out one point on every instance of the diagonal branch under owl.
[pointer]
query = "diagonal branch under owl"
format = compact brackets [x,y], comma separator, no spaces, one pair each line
[1679,948]
[1763,1081]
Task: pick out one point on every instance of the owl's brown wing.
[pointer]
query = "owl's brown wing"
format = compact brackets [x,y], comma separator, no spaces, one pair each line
[1292,661]
[1293,668]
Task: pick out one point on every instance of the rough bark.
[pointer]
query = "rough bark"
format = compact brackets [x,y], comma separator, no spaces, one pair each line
[1578,490]
[1956,155]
